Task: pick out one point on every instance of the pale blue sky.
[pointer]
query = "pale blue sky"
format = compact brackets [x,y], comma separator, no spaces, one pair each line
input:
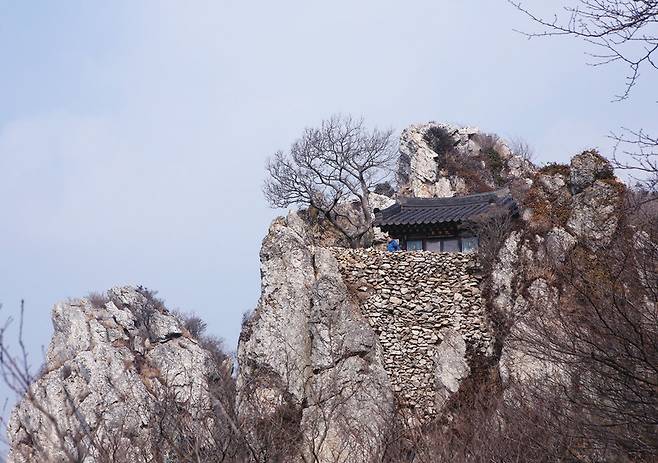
[133,134]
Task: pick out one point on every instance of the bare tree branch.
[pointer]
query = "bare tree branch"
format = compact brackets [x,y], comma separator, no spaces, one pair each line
[626,31]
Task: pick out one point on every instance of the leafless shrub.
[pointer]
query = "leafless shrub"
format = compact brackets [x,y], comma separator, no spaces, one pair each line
[481,173]
[492,229]
[637,153]
[98,300]
[487,141]
[271,423]
[152,297]
[477,177]
[483,426]
[602,338]
[522,148]
[195,325]
[439,140]
[278,433]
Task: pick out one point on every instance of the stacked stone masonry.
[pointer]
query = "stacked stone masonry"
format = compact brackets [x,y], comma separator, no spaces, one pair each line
[411,299]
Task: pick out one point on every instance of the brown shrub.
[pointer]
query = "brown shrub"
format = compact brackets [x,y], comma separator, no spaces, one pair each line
[98,300]
[555,168]
[548,209]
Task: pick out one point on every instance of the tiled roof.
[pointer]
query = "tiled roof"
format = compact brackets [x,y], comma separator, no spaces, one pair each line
[412,211]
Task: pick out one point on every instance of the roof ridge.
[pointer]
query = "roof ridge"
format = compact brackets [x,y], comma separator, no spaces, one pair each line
[437,210]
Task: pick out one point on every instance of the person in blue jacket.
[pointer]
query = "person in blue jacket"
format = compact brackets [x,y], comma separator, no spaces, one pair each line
[393,246]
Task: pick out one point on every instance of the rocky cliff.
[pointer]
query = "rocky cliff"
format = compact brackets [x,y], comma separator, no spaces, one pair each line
[571,213]
[308,349]
[417,327]
[124,380]
[348,352]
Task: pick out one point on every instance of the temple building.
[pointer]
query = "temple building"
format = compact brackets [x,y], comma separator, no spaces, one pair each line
[441,224]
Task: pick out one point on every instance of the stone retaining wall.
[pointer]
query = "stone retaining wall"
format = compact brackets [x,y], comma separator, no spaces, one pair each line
[415,302]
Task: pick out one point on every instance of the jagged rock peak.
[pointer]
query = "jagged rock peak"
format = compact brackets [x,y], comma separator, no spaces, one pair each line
[112,366]
[588,167]
[444,160]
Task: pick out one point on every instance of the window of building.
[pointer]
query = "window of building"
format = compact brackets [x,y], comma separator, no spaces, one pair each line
[450,245]
[470,244]
[434,245]
[465,244]
[414,245]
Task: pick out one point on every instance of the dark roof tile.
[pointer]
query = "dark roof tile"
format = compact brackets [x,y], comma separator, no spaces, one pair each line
[411,211]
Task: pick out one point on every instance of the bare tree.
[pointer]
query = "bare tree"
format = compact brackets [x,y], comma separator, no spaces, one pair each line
[331,169]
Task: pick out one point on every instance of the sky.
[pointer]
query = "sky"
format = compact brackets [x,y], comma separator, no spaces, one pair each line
[133,135]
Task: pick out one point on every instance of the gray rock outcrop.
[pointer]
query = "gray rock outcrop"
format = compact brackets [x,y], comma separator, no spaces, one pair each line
[571,213]
[485,162]
[109,369]
[418,171]
[452,366]
[588,167]
[308,348]
[344,344]
[594,214]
